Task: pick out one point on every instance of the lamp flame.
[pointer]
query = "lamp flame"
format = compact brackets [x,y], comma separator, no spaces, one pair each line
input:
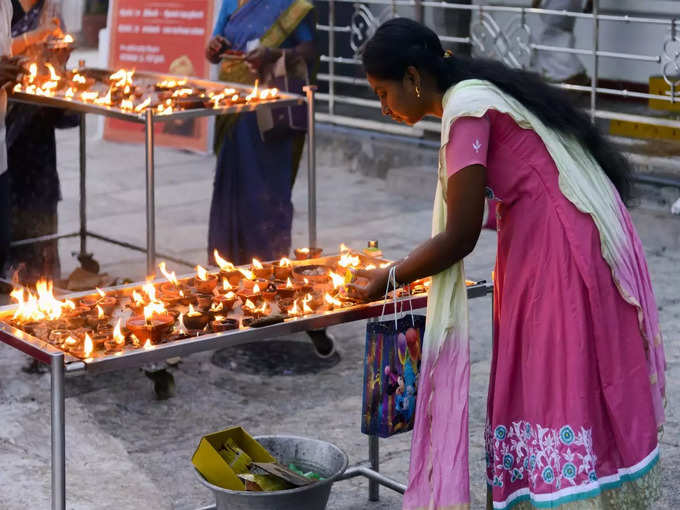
[118,335]
[284,262]
[226,285]
[142,106]
[248,274]
[150,290]
[88,346]
[257,264]
[32,72]
[289,284]
[331,300]
[338,281]
[100,312]
[137,298]
[171,277]
[223,264]
[53,73]
[256,289]
[201,273]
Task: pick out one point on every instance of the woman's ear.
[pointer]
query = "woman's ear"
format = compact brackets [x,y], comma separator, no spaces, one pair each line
[412,80]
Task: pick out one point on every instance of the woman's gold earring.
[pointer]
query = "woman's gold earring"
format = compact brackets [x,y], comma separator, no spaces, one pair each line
[417,91]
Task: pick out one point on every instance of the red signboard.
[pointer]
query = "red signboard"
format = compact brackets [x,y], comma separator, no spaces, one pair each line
[161,36]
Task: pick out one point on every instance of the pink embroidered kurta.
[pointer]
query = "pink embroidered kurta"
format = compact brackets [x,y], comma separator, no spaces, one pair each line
[570,408]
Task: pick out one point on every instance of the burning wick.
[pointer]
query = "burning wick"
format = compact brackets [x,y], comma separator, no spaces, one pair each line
[289,284]
[192,312]
[100,312]
[226,285]
[256,289]
[257,264]
[284,262]
[100,292]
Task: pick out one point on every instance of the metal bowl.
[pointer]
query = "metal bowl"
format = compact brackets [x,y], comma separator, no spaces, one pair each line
[320,456]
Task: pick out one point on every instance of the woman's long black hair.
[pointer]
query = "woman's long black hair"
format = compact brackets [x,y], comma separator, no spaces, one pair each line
[401,42]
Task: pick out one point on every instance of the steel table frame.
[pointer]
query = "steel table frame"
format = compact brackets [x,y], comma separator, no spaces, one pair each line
[60,364]
[149,119]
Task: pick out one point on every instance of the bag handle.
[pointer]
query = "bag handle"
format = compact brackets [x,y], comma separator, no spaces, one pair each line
[391,280]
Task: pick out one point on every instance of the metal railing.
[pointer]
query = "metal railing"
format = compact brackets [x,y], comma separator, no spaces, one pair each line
[514,44]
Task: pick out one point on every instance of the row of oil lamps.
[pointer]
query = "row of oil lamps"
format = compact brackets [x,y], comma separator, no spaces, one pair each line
[165,97]
[233,298]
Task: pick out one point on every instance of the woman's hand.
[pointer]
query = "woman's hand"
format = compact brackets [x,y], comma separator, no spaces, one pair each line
[10,67]
[216,47]
[375,286]
[262,56]
[49,30]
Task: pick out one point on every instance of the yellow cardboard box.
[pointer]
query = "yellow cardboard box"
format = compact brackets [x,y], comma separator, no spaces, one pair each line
[214,468]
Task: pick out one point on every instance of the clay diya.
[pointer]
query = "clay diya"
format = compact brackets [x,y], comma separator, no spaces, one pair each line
[196,319]
[83,349]
[69,343]
[216,309]
[117,341]
[250,309]
[76,318]
[285,290]
[227,301]
[108,304]
[205,283]
[315,299]
[307,253]
[222,323]
[254,294]
[331,302]
[269,293]
[285,304]
[203,300]
[58,336]
[315,273]
[89,301]
[234,276]
[171,297]
[283,269]
[264,271]
[154,329]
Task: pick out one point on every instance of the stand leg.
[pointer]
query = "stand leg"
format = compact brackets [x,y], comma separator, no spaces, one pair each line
[150,197]
[58,434]
[311,165]
[374,458]
[83,188]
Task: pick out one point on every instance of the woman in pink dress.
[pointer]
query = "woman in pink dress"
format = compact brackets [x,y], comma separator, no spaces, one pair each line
[577,372]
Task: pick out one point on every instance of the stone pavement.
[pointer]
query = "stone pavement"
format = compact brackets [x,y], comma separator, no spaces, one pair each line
[127,450]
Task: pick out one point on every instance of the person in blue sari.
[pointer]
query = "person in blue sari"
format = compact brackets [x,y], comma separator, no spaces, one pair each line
[251,212]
